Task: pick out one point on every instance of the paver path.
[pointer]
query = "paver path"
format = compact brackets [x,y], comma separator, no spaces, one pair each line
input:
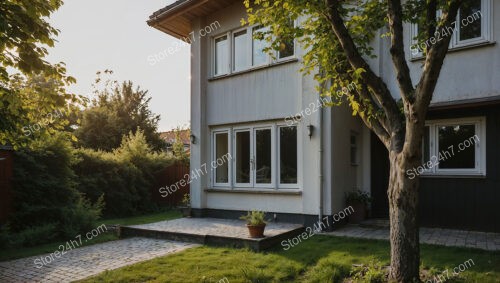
[88,261]
[436,236]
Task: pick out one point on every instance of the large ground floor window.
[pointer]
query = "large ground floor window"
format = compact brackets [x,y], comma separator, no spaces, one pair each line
[455,147]
[262,156]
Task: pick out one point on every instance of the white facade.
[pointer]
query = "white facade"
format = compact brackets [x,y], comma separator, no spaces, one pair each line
[267,96]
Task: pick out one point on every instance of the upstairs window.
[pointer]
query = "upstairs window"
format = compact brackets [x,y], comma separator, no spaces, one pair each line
[221,55]
[239,50]
[240,54]
[472,27]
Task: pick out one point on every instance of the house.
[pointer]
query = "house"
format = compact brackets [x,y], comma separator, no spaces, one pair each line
[296,160]
[6,175]
[171,137]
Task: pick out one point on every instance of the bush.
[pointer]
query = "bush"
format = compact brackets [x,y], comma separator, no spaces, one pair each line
[125,177]
[46,204]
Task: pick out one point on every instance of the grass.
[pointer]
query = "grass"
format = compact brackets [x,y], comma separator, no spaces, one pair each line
[16,253]
[319,259]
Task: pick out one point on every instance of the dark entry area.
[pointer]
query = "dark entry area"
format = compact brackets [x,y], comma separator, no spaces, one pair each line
[380,178]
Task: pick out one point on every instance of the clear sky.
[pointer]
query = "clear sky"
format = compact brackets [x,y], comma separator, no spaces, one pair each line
[113,34]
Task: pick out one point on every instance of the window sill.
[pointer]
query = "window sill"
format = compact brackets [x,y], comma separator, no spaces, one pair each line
[296,192]
[459,48]
[448,176]
[253,69]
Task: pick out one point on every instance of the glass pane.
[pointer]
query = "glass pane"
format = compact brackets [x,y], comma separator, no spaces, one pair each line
[263,156]
[259,56]
[470,20]
[288,155]
[240,50]
[243,157]
[453,150]
[221,155]
[287,48]
[221,55]
[426,154]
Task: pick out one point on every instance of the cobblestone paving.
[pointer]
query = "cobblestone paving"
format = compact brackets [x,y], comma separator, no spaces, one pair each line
[87,261]
[436,236]
[215,227]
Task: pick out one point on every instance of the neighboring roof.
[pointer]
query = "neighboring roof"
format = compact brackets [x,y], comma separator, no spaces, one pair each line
[169,137]
[175,19]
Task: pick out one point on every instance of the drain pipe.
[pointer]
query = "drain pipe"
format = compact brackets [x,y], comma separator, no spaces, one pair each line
[320,157]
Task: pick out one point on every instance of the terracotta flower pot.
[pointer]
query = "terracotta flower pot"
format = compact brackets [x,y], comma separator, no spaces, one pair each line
[359,214]
[256,231]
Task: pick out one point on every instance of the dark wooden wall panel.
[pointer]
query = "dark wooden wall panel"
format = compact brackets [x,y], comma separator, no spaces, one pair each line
[460,203]
[6,171]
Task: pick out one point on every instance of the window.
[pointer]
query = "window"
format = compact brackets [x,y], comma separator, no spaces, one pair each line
[455,147]
[221,47]
[221,140]
[259,57]
[288,155]
[243,157]
[472,26]
[246,51]
[263,156]
[240,54]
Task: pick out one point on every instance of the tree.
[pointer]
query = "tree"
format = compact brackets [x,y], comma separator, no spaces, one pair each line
[336,36]
[116,111]
[24,36]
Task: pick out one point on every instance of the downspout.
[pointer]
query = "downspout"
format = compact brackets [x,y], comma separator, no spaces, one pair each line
[320,153]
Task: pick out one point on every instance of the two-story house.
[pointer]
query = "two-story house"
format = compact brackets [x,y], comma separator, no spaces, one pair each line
[296,160]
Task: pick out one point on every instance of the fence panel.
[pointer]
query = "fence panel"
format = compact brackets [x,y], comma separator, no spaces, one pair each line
[170,179]
[6,173]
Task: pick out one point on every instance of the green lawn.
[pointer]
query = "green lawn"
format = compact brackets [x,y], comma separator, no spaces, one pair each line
[51,247]
[318,259]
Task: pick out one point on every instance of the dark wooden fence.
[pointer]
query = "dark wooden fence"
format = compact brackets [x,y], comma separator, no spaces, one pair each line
[174,183]
[6,172]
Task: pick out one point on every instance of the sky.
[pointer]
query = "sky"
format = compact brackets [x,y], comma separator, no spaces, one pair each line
[96,35]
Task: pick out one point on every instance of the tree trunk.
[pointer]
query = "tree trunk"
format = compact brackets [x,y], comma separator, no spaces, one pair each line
[403,204]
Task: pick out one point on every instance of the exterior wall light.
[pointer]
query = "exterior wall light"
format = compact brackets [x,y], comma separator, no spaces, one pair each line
[310,130]
[193,139]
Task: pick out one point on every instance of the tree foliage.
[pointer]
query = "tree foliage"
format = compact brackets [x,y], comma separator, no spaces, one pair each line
[25,35]
[117,110]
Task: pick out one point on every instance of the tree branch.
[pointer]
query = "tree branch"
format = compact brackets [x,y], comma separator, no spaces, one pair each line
[395,13]
[375,83]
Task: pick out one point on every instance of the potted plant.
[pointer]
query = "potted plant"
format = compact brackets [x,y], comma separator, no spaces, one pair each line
[186,206]
[359,201]
[255,223]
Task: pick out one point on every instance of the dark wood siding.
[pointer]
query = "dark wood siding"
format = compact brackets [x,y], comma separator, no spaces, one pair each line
[466,203]
[460,203]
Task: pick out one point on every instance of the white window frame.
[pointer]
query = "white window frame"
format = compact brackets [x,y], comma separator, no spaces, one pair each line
[486,26]
[248,54]
[235,156]
[250,65]
[278,160]
[252,40]
[214,157]
[273,154]
[456,43]
[275,157]
[214,57]
[480,147]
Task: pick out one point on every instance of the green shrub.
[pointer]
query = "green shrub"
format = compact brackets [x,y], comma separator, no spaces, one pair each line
[46,204]
[125,177]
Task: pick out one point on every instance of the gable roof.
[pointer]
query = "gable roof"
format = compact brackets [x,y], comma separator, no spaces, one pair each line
[175,19]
